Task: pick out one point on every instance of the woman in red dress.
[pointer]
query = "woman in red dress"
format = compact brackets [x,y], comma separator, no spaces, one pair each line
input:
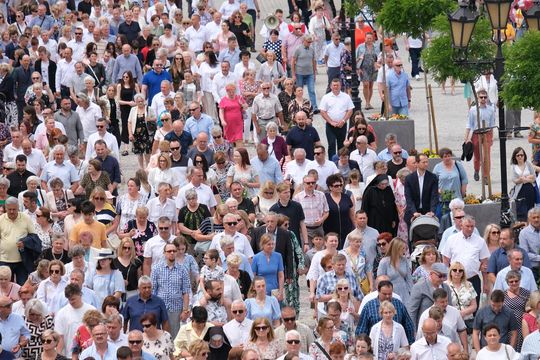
[231,108]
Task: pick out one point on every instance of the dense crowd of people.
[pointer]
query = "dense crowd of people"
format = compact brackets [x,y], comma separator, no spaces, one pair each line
[201,252]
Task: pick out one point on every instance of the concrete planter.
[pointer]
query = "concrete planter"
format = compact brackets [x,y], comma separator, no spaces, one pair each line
[433,162]
[404,129]
[487,214]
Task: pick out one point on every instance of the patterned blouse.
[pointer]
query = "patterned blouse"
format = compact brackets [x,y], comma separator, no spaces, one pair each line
[35,345]
[275,47]
[273,351]
[462,296]
[162,348]
[293,107]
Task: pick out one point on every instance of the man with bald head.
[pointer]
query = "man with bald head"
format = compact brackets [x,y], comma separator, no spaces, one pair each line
[454,351]
[178,134]
[135,343]
[201,146]
[303,136]
[15,334]
[237,330]
[431,345]
[127,62]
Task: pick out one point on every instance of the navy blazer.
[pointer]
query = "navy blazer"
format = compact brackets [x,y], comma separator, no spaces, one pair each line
[430,194]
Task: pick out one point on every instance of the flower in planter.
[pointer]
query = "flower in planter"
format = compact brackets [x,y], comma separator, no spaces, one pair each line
[471,199]
[430,154]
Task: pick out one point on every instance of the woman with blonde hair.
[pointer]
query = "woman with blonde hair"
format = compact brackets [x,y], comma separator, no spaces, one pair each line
[343,295]
[398,268]
[529,323]
[105,212]
[492,233]
[7,287]
[387,336]
[264,200]
[462,292]
[231,109]
[141,128]
[356,258]
[199,350]
[37,321]
[163,147]
[127,262]
[163,173]
[263,341]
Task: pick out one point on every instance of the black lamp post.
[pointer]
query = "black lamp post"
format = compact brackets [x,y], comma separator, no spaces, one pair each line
[532,17]
[462,25]
[352,8]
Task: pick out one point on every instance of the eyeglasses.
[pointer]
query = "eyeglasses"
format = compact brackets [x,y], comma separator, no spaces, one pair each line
[237,311]
[199,162]
[100,126]
[289,319]
[343,288]
[318,153]
[78,33]
[337,185]
[520,155]
[457,270]
[482,97]
[309,182]
[165,119]
[218,137]
[440,276]
[175,148]
[459,217]
[57,271]
[126,247]
[261,328]
[146,325]
[99,198]
[397,152]
[232,223]
[135,342]
[48,341]
[512,281]
[293,341]
[497,232]
[381,244]
[266,88]
[193,109]
[398,65]
[171,251]
[36,78]
[163,228]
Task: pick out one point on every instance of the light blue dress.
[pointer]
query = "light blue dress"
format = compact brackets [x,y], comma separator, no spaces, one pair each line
[105,285]
[268,269]
[270,310]
[451,180]
[401,277]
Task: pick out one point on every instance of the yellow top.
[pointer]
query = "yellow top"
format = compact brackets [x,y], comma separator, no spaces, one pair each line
[10,233]
[98,230]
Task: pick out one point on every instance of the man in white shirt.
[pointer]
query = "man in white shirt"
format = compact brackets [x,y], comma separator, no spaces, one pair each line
[102,134]
[89,113]
[50,44]
[196,34]
[222,79]
[297,168]
[14,147]
[77,45]
[228,7]
[205,195]
[336,109]
[364,156]
[157,101]
[153,249]
[241,243]
[162,205]
[237,330]
[431,345]
[332,59]
[214,27]
[115,331]
[324,167]
[69,318]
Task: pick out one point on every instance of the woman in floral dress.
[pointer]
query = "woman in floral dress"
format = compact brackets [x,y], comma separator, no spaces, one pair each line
[221,168]
[515,298]
[249,88]
[142,128]
[401,203]
[367,54]
[345,64]
[317,26]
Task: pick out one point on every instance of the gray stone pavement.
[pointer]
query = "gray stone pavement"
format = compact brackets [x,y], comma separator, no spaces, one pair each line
[450,114]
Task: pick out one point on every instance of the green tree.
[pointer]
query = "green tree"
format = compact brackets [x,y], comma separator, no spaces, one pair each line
[440,57]
[412,17]
[521,79]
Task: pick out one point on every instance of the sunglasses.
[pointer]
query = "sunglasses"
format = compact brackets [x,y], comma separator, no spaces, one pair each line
[237,311]
[337,185]
[309,182]
[520,155]
[217,137]
[55,271]
[398,65]
[343,288]
[289,319]
[232,223]
[482,97]
[48,341]
[294,341]
[496,232]
[135,342]
[318,153]
[126,247]
[36,78]
[193,109]
[261,328]
[459,217]
[382,244]
[397,152]
[163,228]
[457,270]
[175,148]
[266,88]
[100,126]
[146,325]
[99,198]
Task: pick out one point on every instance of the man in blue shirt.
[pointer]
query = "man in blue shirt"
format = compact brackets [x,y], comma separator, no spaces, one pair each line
[100,345]
[44,21]
[399,90]
[144,302]
[198,121]
[15,334]
[135,343]
[151,81]
[178,134]
[266,166]
[499,258]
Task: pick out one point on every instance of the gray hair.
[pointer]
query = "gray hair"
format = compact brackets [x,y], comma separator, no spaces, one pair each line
[91,79]
[5,182]
[456,203]
[145,279]
[76,250]
[468,218]
[513,274]
[116,317]
[292,333]
[216,130]
[534,211]
[58,148]
[272,125]
[308,38]
[226,239]
[191,194]
[363,139]
[12,201]
[34,179]
[390,136]
[229,216]
[403,172]
[138,96]
[34,305]
[299,150]
[72,150]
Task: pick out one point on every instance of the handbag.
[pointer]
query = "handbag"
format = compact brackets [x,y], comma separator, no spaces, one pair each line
[261,58]
[325,353]
[468,323]
[327,33]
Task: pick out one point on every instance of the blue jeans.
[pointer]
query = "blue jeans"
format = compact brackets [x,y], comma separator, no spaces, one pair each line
[401,110]
[308,80]
[335,137]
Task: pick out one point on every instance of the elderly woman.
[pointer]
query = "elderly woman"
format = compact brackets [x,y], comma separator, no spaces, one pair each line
[269,264]
[387,336]
[7,287]
[105,212]
[515,298]
[241,277]
[356,258]
[57,201]
[141,129]
[163,173]
[191,215]
[55,284]
[277,147]
[57,251]
[231,108]
[463,293]
[77,254]
[271,71]
[95,177]
[264,200]
[37,321]
[105,279]
[401,202]
[33,184]
[140,230]
[219,143]
[4,186]
[262,340]
[155,341]
[126,204]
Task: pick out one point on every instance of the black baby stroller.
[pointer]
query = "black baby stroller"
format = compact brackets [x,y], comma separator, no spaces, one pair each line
[422,232]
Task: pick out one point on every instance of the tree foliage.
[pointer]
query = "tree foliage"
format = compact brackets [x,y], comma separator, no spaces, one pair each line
[374,5]
[521,79]
[440,58]
[413,17]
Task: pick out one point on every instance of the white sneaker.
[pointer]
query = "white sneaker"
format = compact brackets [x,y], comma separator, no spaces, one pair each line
[417,77]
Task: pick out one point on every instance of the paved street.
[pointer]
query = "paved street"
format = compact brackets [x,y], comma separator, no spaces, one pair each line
[450,113]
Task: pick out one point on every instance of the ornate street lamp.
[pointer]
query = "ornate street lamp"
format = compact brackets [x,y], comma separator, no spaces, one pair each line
[498,12]
[532,17]
[352,8]
[462,22]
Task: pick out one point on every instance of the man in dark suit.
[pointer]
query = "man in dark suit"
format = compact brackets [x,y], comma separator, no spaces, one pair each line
[421,190]
[43,61]
[281,238]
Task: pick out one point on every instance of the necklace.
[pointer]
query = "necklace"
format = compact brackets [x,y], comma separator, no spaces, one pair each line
[54,256]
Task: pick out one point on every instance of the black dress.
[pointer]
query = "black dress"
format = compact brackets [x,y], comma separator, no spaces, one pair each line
[126,94]
[115,126]
[142,143]
[129,272]
[339,220]
[244,41]
[380,206]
